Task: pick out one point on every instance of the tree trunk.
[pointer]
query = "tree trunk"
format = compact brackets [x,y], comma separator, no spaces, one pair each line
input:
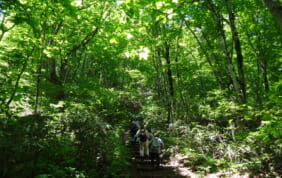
[158,78]
[183,105]
[39,70]
[237,45]
[4,29]
[275,8]
[19,78]
[170,82]
[169,72]
[208,58]
[263,66]
[218,19]
[53,76]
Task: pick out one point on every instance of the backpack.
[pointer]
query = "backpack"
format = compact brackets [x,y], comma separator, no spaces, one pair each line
[133,128]
[155,145]
[143,136]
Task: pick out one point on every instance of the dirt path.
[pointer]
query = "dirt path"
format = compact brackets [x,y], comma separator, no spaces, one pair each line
[169,168]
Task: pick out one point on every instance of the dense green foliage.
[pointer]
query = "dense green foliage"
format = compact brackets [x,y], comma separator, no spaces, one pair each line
[206,73]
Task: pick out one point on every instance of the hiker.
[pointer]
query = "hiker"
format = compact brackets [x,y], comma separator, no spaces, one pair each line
[133,130]
[143,136]
[156,146]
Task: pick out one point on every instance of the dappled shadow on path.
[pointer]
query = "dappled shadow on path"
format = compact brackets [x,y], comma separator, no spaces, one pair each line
[169,168]
[173,168]
[144,169]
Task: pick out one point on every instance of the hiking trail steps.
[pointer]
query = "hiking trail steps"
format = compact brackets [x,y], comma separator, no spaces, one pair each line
[143,169]
[170,167]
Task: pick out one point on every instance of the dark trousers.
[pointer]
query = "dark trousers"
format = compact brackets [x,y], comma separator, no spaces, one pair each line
[155,156]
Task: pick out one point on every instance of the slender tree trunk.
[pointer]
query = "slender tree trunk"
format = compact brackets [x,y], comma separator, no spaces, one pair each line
[170,82]
[263,64]
[258,90]
[237,45]
[161,85]
[183,105]
[208,58]
[218,19]
[38,84]
[54,77]
[169,72]
[2,26]
[163,81]
[19,78]
[275,8]
[53,74]
[158,73]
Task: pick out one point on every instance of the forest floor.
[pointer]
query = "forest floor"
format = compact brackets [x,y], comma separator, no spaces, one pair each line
[171,167]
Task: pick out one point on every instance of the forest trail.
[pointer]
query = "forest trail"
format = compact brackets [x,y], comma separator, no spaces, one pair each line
[170,167]
[143,169]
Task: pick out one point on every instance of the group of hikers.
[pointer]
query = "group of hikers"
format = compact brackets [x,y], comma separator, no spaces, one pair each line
[150,144]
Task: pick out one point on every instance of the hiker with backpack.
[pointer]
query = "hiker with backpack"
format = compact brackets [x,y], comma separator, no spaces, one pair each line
[133,130]
[143,136]
[156,146]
